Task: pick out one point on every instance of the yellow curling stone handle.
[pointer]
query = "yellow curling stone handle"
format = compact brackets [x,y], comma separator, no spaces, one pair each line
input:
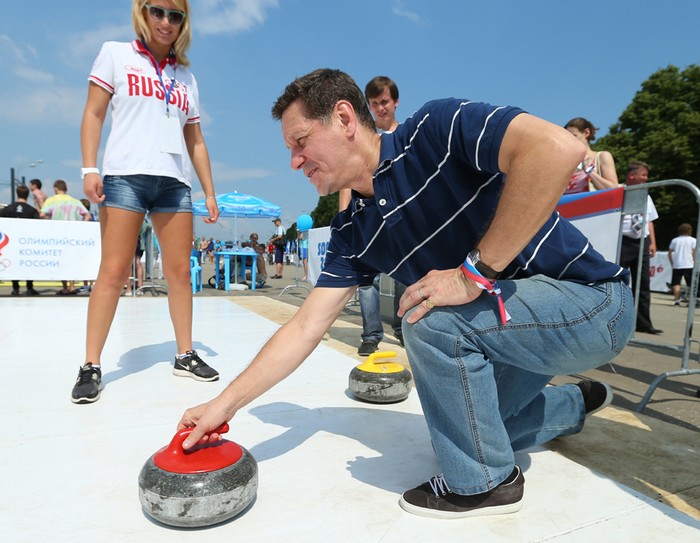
[376,363]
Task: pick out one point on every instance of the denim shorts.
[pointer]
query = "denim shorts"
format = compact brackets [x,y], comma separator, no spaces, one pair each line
[142,193]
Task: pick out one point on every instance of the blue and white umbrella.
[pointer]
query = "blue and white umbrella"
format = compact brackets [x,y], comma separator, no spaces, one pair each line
[239,205]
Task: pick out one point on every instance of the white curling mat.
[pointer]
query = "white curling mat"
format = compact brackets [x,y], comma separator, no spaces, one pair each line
[331,469]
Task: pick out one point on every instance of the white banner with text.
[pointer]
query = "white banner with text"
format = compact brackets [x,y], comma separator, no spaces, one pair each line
[319,238]
[49,250]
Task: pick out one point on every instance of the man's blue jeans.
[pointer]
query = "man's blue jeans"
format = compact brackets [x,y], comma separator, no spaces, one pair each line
[372,328]
[482,385]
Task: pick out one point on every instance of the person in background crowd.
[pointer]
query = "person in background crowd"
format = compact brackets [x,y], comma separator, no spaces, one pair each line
[304,254]
[260,269]
[86,204]
[278,243]
[632,236]
[681,254]
[62,207]
[597,169]
[210,250]
[38,194]
[382,96]
[202,244]
[21,210]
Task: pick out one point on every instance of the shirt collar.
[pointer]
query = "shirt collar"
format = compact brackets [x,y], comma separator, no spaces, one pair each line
[141,48]
[387,151]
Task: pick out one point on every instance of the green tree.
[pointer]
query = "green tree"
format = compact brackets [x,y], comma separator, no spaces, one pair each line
[326,209]
[662,128]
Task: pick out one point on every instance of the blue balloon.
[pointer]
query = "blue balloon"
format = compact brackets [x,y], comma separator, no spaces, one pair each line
[304,223]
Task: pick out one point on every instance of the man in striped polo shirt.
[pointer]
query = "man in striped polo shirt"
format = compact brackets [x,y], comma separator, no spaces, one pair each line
[458,200]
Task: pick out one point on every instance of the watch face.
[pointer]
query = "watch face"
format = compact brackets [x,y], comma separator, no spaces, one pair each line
[482,268]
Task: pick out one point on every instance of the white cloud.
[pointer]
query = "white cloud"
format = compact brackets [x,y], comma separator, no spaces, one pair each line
[213,17]
[401,10]
[35,95]
[9,50]
[46,105]
[82,48]
[14,59]
[33,75]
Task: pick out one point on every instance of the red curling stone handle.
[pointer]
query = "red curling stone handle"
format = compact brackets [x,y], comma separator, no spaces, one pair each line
[200,458]
[178,439]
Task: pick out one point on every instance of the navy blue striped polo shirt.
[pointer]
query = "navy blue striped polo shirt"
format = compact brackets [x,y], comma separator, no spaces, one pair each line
[435,192]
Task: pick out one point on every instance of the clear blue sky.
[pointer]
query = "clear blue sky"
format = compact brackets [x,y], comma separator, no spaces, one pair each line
[555,58]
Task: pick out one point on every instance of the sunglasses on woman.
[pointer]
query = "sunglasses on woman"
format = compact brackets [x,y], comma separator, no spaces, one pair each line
[175,17]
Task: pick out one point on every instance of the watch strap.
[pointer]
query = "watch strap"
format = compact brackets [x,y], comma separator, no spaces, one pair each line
[483,269]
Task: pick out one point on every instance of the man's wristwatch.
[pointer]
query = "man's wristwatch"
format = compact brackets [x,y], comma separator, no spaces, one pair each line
[482,268]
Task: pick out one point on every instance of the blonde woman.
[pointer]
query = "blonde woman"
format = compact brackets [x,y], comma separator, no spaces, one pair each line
[597,170]
[154,147]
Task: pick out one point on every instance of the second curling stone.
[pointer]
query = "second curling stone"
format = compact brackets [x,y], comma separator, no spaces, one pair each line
[380,381]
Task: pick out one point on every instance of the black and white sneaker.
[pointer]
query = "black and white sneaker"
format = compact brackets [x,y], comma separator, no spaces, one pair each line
[435,499]
[596,395]
[193,366]
[88,385]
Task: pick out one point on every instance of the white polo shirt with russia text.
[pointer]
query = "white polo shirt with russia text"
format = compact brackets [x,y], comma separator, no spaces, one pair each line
[127,71]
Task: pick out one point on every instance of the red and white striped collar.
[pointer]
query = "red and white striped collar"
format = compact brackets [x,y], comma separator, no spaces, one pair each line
[139,47]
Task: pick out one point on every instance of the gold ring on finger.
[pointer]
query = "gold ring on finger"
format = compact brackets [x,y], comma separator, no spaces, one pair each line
[429,304]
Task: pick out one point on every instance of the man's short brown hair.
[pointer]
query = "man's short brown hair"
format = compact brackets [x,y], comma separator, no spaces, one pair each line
[319,92]
[377,85]
[636,165]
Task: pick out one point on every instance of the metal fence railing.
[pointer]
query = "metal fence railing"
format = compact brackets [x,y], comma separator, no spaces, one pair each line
[635,201]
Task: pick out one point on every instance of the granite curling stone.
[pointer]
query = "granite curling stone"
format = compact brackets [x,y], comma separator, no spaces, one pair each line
[378,381]
[205,485]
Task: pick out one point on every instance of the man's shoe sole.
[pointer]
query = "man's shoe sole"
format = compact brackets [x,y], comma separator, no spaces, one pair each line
[478,512]
[185,373]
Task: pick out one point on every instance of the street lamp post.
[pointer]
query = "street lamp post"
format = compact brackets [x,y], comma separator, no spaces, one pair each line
[14,180]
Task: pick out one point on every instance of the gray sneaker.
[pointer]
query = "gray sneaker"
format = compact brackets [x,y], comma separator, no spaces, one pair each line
[435,499]
[195,367]
[88,385]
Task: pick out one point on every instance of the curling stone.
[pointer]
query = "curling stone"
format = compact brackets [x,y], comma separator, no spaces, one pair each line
[205,485]
[379,381]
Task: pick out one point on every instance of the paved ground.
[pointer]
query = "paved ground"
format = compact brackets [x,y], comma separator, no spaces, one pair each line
[655,452]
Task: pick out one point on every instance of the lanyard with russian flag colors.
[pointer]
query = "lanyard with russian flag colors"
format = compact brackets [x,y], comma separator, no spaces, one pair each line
[159,72]
[490,286]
